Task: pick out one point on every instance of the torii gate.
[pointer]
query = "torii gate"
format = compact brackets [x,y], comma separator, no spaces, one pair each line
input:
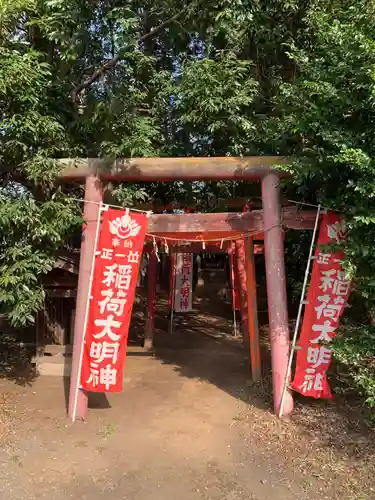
[269,221]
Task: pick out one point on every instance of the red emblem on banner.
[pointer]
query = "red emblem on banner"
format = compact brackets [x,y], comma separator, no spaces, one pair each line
[117,262]
[326,299]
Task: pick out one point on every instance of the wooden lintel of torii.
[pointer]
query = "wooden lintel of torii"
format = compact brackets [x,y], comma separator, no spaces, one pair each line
[171,169]
[182,225]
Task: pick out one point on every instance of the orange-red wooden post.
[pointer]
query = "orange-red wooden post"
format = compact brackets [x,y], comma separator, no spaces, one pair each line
[171,291]
[252,311]
[91,212]
[151,301]
[276,289]
[242,286]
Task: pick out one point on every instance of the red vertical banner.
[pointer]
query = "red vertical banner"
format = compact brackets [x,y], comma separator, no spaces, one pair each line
[183,293]
[327,296]
[117,262]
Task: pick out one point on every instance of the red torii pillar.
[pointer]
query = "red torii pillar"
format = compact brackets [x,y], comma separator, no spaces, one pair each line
[94,193]
[249,313]
[276,289]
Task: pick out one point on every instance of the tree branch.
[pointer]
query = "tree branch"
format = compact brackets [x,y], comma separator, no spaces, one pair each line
[112,62]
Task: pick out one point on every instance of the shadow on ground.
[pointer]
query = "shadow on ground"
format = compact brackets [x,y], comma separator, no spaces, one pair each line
[202,347]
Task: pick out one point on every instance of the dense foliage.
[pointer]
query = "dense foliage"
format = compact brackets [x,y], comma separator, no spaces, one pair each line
[177,77]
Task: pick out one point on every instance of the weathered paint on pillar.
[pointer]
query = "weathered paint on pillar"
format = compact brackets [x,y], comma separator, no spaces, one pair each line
[242,285]
[151,301]
[276,289]
[93,192]
[255,358]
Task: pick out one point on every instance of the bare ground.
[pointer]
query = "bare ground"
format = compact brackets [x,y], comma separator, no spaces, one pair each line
[188,425]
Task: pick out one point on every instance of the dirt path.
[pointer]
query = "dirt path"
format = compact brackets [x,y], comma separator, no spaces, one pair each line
[188,426]
[167,436]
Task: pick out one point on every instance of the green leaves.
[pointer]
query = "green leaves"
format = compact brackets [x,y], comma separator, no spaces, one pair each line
[212,96]
[355,351]
[30,237]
